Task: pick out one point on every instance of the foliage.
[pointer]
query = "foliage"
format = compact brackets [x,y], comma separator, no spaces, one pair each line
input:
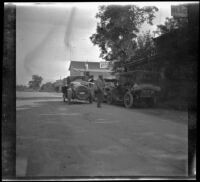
[118,28]
[170,25]
[21,87]
[48,87]
[145,45]
[35,82]
[179,45]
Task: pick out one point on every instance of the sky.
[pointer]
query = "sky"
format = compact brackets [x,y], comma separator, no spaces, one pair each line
[49,35]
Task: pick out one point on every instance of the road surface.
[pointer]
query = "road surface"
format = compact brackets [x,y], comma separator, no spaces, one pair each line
[57,139]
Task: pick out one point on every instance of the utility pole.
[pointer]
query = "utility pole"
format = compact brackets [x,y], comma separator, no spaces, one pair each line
[71,51]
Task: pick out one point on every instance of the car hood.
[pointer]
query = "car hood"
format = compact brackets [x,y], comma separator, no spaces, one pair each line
[146,86]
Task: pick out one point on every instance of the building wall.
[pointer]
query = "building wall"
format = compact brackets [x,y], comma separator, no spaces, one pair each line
[95,74]
[75,73]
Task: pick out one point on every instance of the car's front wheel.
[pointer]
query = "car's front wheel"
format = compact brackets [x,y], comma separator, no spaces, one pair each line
[128,100]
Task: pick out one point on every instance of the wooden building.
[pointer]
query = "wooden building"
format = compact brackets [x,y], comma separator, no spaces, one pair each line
[80,68]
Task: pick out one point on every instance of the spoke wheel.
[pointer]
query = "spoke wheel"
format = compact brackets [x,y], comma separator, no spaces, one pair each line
[128,100]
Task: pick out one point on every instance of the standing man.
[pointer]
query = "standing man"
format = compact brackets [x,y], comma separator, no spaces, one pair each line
[99,92]
[91,80]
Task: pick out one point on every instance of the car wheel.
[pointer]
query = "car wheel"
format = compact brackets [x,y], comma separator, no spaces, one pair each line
[128,100]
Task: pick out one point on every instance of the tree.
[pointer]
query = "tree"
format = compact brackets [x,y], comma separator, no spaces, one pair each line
[187,33]
[171,24]
[48,87]
[21,87]
[180,47]
[35,82]
[118,28]
[145,45]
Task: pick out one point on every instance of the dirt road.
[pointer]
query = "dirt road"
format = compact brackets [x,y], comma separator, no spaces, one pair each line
[57,139]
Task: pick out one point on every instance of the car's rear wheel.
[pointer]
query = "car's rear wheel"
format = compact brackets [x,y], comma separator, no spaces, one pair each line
[128,100]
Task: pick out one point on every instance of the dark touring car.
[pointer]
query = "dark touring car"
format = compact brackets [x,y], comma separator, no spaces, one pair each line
[134,88]
[78,88]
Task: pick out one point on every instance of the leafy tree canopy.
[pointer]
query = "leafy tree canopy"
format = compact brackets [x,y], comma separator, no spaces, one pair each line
[178,43]
[35,82]
[145,45]
[118,28]
[170,25]
[48,86]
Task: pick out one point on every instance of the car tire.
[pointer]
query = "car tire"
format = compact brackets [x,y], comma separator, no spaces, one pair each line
[128,100]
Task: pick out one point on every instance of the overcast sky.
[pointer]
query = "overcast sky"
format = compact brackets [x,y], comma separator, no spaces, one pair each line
[41,30]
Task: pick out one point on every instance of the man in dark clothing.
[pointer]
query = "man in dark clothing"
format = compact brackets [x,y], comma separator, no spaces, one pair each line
[91,80]
[100,90]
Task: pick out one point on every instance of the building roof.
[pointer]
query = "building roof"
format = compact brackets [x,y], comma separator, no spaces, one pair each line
[92,70]
[81,65]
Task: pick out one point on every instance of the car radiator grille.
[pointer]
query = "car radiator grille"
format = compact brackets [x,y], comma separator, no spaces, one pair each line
[82,93]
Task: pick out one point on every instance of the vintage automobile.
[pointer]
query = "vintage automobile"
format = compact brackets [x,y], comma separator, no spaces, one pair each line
[109,85]
[135,88]
[115,94]
[78,88]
